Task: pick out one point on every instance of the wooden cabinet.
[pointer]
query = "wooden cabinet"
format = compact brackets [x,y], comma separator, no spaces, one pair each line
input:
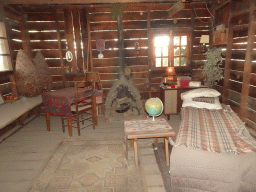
[171,99]
[220,37]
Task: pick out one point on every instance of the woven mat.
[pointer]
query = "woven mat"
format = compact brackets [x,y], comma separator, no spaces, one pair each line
[92,166]
[163,167]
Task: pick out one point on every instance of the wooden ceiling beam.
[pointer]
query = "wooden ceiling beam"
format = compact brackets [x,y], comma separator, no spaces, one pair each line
[94,1]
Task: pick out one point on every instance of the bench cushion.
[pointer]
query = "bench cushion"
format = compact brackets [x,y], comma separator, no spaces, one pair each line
[9,112]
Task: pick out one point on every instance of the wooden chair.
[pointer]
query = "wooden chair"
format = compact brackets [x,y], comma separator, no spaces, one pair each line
[84,107]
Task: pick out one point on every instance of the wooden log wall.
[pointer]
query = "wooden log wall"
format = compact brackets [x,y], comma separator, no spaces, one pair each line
[13,22]
[194,18]
[45,26]
[239,84]
[96,22]
[136,21]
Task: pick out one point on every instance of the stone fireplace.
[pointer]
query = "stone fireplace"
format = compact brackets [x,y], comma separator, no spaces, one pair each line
[123,99]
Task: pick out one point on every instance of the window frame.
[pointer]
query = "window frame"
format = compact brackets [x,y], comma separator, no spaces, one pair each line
[188,49]
[9,55]
[171,34]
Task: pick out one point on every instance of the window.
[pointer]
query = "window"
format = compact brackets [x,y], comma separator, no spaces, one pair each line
[161,47]
[180,49]
[5,55]
[170,50]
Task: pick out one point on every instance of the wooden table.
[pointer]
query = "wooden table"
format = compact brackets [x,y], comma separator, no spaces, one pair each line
[146,128]
[59,103]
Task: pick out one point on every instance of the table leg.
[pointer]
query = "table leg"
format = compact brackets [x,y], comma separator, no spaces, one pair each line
[155,144]
[69,121]
[135,152]
[166,150]
[126,147]
[131,142]
[48,123]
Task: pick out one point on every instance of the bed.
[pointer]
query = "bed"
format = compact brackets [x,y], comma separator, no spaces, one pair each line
[213,150]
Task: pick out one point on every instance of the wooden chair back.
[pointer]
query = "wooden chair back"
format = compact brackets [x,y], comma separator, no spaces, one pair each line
[84,96]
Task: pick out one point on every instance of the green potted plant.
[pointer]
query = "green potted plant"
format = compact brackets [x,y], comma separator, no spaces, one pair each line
[211,68]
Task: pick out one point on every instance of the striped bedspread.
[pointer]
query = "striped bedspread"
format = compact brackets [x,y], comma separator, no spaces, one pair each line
[213,130]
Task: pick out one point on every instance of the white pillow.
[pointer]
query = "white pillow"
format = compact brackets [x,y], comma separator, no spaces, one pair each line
[202,105]
[201,92]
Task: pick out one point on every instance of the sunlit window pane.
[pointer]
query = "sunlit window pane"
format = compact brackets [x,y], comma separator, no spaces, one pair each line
[158,62]
[183,40]
[176,40]
[158,52]
[161,41]
[165,62]
[4,47]
[5,63]
[165,51]
[176,61]
[176,51]
[183,51]
[183,61]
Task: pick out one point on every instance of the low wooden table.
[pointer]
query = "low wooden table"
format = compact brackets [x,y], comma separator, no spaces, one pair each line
[146,128]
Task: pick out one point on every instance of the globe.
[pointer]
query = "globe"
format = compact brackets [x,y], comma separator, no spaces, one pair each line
[154,107]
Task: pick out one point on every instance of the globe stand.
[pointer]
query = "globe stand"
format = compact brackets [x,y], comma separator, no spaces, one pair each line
[153,120]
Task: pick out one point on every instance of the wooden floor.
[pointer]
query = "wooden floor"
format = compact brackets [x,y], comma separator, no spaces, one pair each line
[24,154]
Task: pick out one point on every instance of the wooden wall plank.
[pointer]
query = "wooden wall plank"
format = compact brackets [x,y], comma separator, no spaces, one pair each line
[42,16]
[44,26]
[246,88]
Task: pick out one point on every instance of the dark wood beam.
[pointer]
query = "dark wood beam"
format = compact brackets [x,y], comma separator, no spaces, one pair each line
[92,1]
[149,58]
[25,37]
[177,7]
[76,23]
[228,62]
[120,44]
[70,37]
[60,48]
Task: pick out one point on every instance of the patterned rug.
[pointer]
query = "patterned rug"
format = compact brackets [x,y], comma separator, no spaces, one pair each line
[80,165]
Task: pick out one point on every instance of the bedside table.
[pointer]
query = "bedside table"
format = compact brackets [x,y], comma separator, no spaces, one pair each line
[171,99]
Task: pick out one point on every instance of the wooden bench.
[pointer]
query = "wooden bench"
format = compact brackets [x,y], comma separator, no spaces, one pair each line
[18,110]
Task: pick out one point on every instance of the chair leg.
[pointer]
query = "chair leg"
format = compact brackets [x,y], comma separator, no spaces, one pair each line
[63,124]
[78,124]
[82,117]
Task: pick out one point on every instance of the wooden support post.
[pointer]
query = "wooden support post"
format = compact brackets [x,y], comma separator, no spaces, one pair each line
[120,45]
[85,32]
[192,36]
[228,63]
[149,59]
[89,41]
[78,39]
[247,66]
[25,37]
[70,37]
[60,47]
